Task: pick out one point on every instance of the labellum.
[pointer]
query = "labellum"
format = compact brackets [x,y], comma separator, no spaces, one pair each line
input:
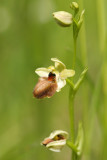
[46,86]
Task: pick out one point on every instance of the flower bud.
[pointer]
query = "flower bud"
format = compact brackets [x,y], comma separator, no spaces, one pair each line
[75,7]
[63,18]
[56,140]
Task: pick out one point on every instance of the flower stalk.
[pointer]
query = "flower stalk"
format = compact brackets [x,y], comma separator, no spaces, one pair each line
[71,111]
[71,107]
[74,57]
[75,87]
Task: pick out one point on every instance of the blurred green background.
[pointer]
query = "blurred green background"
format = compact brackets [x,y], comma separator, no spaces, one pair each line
[29,37]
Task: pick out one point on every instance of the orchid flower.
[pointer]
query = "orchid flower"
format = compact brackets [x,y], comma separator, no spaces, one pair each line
[56,140]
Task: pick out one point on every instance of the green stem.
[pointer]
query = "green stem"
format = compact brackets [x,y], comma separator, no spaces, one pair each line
[74,57]
[71,111]
[71,107]
[72,146]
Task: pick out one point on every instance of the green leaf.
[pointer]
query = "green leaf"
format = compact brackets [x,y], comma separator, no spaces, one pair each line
[80,140]
[71,84]
[81,19]
[80,80]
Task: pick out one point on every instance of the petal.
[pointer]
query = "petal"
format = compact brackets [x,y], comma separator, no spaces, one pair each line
[56,146]
[67,73]
[61,83]
[54,149]
[43,72]
[58,64]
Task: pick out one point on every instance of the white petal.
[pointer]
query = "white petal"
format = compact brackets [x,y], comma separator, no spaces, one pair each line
[67,73]
[61,83]
[56,146]
[43,72]
[54,149]
[57,143]
[58,64]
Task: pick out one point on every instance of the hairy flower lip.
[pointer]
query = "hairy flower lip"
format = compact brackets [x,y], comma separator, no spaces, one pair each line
[45,87]
[56,140]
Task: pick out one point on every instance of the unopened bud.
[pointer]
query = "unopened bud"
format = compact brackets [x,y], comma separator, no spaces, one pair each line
[63,18]
[75,7]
